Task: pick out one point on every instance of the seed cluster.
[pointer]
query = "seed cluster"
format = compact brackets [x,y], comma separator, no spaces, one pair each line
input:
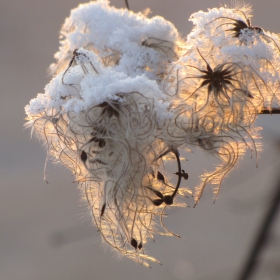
[128,93]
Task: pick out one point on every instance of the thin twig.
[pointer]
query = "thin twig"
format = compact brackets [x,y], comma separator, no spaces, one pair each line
[126,3]
[262,236]
[273,111]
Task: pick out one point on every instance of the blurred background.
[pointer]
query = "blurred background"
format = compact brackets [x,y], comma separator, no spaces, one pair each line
[45,229]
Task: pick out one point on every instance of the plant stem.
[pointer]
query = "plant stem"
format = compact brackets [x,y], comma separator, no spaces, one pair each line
[126,3]
[266,111]
[262,236]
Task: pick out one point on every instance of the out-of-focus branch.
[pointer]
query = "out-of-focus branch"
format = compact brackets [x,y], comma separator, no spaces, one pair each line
[262,236]
[273,111]
[126,3]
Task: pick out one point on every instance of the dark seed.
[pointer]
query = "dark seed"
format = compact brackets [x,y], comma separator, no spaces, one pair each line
[140,246]
[101,143]
[160,177]
[133,243]
[103,209]
[185,175]
[168,199]
[83,156]
[157,202]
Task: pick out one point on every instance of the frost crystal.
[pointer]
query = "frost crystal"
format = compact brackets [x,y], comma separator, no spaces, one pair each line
[127,92]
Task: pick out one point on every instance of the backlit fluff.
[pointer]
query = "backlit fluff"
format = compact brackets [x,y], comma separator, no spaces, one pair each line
[128,93]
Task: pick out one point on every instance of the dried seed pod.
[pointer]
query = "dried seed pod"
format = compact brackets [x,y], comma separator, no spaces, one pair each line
[83,156]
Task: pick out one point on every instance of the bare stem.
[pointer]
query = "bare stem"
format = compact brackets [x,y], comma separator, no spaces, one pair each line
[262,236]
[273,111]
[126,3]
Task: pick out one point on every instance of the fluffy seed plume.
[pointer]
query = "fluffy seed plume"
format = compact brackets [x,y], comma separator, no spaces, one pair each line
[128,94]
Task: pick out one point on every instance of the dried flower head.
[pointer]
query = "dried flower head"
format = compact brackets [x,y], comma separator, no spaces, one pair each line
[128,93]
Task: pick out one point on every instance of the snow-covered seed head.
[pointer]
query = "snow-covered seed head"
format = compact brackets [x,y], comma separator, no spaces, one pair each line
[128,93]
